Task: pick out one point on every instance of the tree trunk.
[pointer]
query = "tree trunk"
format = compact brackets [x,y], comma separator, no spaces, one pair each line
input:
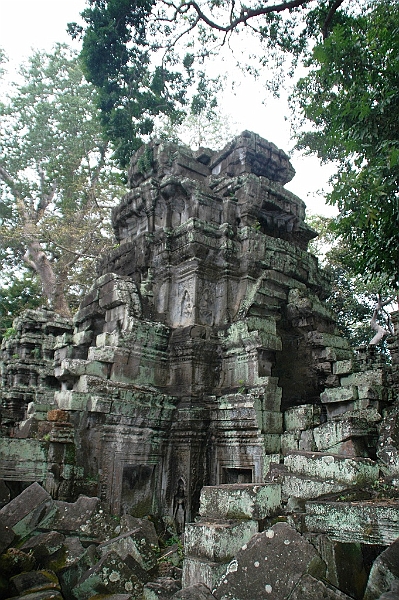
[36,258]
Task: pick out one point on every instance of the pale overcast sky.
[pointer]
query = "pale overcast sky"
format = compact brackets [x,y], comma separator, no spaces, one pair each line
[39,24]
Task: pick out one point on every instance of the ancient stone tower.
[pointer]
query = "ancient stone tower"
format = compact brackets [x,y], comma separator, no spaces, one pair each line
[206,322]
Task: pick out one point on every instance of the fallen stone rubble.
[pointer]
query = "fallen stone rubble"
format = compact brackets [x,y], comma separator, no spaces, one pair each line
[76,551]
[244,546]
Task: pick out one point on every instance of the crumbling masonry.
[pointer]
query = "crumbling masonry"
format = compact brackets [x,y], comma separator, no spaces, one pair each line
[203,354]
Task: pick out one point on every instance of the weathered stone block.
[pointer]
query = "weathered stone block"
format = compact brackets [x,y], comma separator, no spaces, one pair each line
[384,572]
[352,471]
[99,404]
[290,441]
[272,443]
[34,581]
[217,541]
[317,338]
[341,394]
[331,433]
[71,400]
[196,570]
[260,567]
[80,338]
[301,417]
[309,587]
[137,544]
[25,512]
[23,459]
[240,501]
[342,367]
[44,545]
[272,422]
[306,441]
[268,460]
[367,523]
[305,487]
[111,575]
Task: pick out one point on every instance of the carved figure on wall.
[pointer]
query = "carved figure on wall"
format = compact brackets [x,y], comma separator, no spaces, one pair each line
[179,506]
[186,305]
[206,313]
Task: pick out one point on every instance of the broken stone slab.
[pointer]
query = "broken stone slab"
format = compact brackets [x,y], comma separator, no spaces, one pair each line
[240,501]
[15,561]
[272,563]
[340,394]
[6,535]
[331,433]
[217,541]
[42,595]
[309,587]
[306,487]
[133,543]
[34,581]
[375,522]
[111,575]
[85,518]
[339,469]
[206,572]
[44,544]
[76,564]
[384,571]
[304,416]
[198,591]
[162,588]
[27,511]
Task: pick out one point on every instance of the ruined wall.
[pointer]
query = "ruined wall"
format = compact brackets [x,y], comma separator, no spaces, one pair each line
[205,324]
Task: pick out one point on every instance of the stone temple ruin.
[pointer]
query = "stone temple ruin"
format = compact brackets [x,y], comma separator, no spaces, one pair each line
[203,381]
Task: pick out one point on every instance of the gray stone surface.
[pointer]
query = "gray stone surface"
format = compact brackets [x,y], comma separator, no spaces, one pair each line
[240,501]
[194,592]
[364,522]
[109,576]
[260,568]
[34,581]
[309,588]
[384,572]
[24,513]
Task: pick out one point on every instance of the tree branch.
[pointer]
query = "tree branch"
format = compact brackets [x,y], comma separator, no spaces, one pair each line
[381,331]
[246,13]
[333,9]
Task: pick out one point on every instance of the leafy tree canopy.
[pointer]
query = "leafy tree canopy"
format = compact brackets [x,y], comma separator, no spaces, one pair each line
[56,180]
[146,57]
[351,99]
[352,299]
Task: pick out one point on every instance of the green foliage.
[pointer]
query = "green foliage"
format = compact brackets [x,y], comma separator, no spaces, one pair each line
[117,57]
[57,181]
[352,298]
[351,98]
[17,293]
[145,162]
